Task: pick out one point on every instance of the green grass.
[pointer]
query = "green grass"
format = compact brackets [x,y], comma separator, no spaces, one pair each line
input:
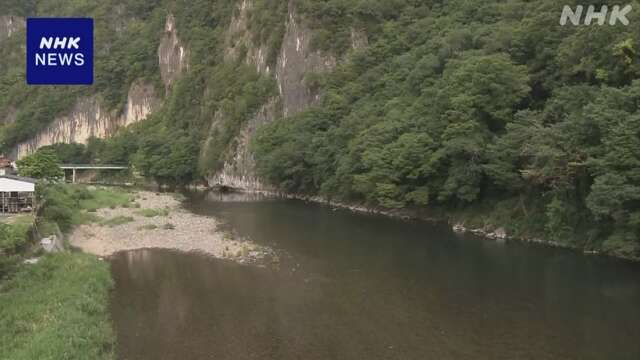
[57,309]
[24,219]
[14,233]
[117,220]
[104,197]
[153,212]
[71,205]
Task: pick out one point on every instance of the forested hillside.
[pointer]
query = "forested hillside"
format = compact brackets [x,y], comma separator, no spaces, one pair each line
[487,111]
[490,106]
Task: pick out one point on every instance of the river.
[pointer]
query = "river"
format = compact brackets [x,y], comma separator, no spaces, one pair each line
[358,286]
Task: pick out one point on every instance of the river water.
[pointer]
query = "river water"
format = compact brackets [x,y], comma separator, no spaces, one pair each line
[356,286]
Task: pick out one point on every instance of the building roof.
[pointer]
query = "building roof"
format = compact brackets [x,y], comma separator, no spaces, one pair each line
[20,178]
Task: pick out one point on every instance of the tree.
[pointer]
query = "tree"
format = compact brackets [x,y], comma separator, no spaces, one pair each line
[43,164]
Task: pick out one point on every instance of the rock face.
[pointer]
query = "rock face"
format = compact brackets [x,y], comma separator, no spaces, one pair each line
[295,60]
[172,55]
[89,119]
[9,25]
[238,37]
[239,170]
[141,101]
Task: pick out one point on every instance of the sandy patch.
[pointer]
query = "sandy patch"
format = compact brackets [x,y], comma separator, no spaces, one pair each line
[179,229]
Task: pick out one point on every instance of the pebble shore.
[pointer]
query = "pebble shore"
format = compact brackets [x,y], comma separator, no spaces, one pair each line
[178,229]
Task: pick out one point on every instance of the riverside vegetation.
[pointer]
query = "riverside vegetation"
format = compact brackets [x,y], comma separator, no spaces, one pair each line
[57,307]
[489,113]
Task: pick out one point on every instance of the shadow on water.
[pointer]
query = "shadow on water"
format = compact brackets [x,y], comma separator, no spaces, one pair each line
[354,286]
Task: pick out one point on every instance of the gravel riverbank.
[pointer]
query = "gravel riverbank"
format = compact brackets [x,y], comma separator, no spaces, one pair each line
[157,220]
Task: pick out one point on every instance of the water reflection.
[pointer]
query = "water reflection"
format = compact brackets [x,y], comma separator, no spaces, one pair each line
[236,196]
[368,287]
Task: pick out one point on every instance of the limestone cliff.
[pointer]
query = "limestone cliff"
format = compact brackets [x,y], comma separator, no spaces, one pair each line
[9,25]
[239,169]
[172,55]
[88,118]
[295,59]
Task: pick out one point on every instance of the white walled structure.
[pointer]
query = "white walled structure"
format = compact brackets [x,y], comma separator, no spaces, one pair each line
[16,194]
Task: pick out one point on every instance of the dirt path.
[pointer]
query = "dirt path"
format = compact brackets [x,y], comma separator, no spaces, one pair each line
[172,228]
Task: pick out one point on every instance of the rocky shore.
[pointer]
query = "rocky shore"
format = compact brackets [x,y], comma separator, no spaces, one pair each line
[498,234]
[157,220]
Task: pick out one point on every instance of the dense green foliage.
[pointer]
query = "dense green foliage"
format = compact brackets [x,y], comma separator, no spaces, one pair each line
[14,238]
[174,145]
[68,205]
[168,146]
[14,235]
[127,34]
[70,153]
[57,309]
[43,164]
[486,105]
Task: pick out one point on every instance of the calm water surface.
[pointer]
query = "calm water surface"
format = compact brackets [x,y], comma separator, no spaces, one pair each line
[353,286]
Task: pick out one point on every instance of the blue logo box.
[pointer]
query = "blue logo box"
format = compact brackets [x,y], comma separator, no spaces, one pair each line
[59,51]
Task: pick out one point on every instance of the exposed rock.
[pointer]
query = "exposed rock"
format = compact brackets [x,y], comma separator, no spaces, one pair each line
[120,20]
[10,25]
[141,101]
[459,228]
[500,233]
[239,170]
[52,244]
[86,119]
[295,60]
[89,119]
[32,261]
[238,38]
[359,39]
[172,55]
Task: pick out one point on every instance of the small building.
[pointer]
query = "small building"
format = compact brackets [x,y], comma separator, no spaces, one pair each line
[17,194]
[6,167]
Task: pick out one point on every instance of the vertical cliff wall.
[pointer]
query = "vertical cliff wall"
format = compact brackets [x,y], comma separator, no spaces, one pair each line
[172,55]
[88,118]
[295,60]
[9,25]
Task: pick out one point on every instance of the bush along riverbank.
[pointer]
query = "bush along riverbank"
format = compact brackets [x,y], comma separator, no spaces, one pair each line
[504,221]
[15,240]
[54,305]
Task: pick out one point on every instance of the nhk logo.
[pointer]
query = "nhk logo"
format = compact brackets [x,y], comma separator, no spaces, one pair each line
[618,14]
[59,51]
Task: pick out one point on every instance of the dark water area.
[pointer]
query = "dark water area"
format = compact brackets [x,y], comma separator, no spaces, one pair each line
[356,286]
